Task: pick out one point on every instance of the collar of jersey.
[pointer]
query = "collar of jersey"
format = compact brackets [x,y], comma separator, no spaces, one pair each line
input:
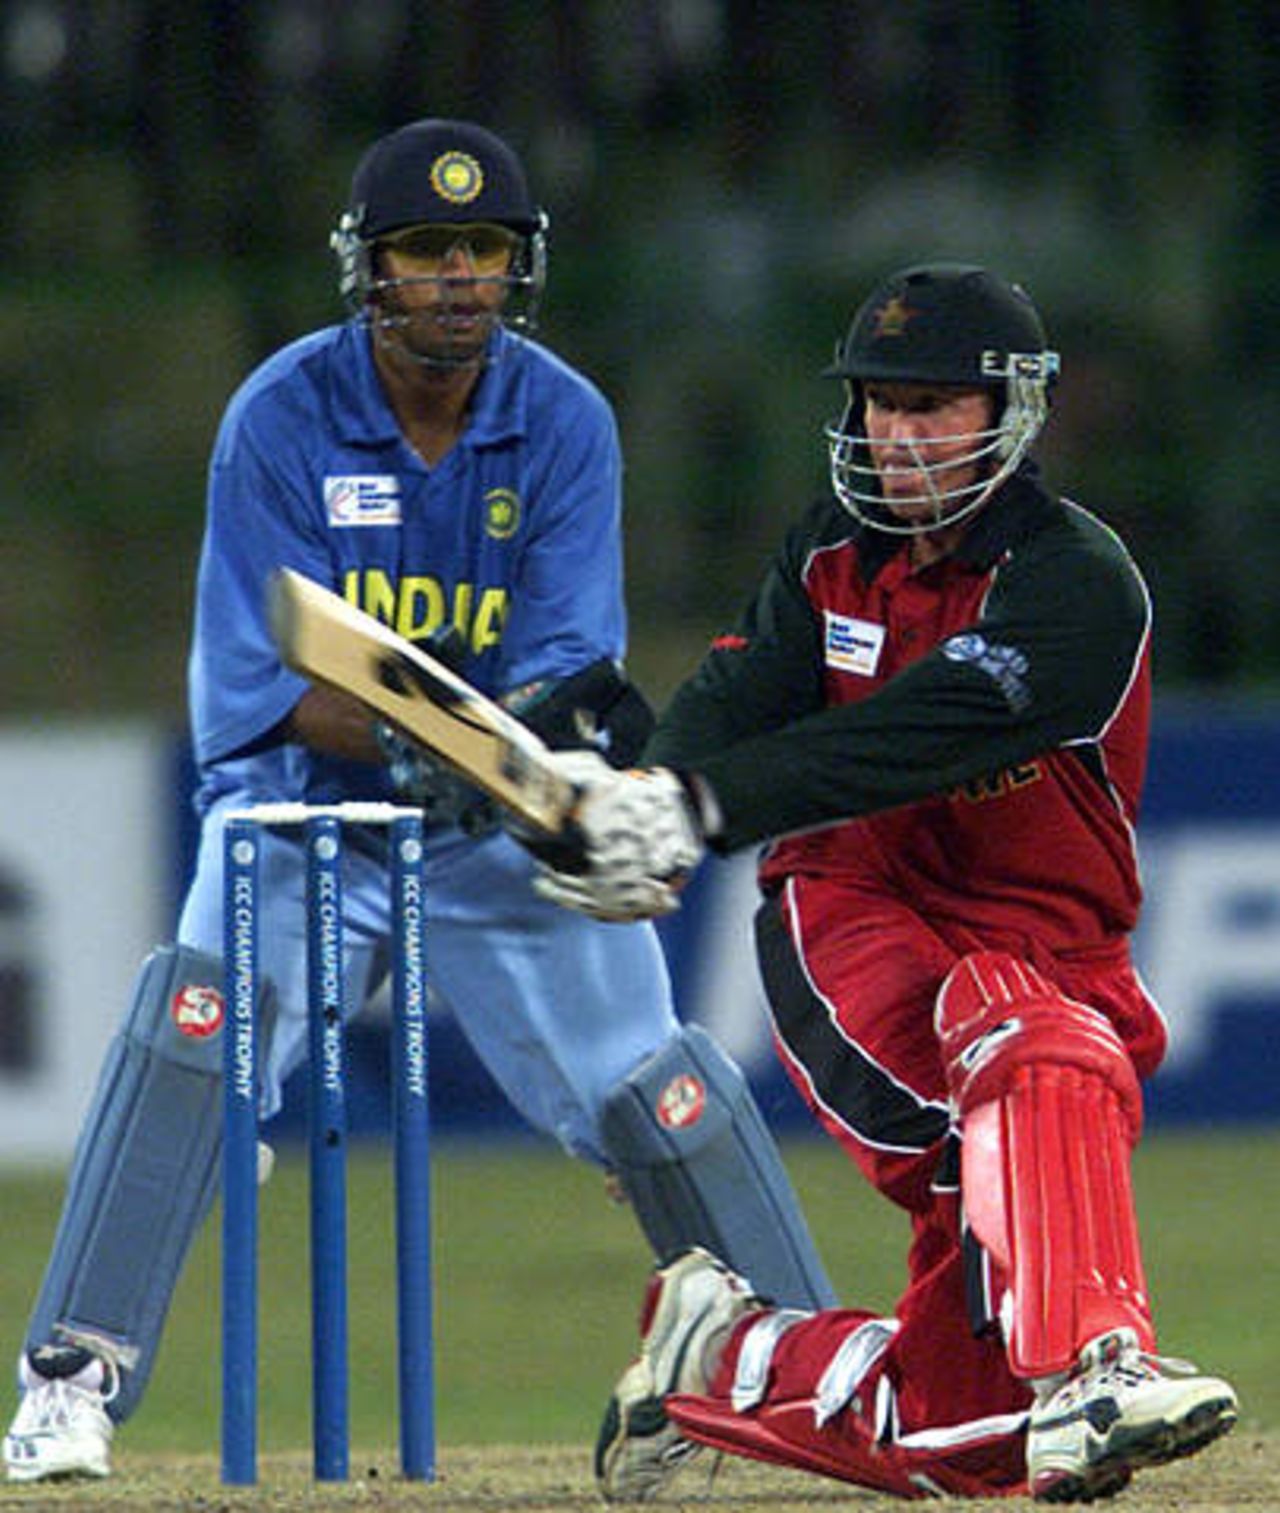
[1016,512]
[364,418]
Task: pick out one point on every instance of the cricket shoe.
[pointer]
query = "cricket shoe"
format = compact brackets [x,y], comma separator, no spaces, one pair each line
[689,1308]
[1119,1411]
[61,1428]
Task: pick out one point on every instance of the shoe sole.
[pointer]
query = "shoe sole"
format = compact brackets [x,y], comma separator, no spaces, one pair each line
[644,1419]
[1155,1445]
[81,1472]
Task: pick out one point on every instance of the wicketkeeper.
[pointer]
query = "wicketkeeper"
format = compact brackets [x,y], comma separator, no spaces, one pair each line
[935,710]
[433,464]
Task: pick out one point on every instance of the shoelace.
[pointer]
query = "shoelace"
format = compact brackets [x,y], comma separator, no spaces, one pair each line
[59,1400]
[1132,1368]
[714,1463]
[57,1403]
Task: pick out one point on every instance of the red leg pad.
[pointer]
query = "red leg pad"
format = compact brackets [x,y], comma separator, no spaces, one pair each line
[1050,1110]
[783,1434]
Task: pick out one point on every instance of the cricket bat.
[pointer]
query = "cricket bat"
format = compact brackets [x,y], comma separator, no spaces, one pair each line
[330,641]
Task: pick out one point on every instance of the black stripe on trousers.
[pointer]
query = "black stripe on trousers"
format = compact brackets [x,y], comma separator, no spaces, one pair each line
[846,1081]
[856,1091]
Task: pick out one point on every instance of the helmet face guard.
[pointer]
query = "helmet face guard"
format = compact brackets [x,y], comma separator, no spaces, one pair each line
[949,326]
[373,296]
[440,174]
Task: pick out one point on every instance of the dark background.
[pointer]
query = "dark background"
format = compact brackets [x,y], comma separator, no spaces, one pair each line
[724,180]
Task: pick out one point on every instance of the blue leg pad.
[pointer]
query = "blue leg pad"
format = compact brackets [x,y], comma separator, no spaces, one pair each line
[145,1171]
[700,1167]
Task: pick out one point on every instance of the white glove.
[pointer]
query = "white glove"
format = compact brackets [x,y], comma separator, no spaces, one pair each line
[640,835]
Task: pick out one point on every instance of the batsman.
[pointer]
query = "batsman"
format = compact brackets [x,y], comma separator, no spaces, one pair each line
[437,467]
[934,710]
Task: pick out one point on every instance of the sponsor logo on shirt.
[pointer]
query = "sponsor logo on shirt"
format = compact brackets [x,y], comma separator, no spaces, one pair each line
[853,645]
[1005,665]
[362,499]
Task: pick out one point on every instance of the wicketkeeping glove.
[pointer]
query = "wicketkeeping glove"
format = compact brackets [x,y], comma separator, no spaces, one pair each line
[640,839]
[430,785]
[427,783]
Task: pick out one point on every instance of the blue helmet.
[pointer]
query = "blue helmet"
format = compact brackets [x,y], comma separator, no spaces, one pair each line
[439,172]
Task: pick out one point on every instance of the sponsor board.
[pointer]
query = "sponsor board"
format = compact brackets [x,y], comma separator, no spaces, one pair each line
[85,892]
[97,836]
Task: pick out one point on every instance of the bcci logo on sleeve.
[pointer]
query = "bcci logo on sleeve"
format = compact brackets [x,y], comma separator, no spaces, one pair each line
[853,645]
[362,499]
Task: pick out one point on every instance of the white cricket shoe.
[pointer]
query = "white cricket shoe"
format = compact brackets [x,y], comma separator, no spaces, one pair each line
[61,1428]
[1119,1411]
[690,1306]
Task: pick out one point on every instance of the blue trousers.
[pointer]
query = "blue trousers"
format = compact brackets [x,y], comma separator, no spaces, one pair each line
[559,1008]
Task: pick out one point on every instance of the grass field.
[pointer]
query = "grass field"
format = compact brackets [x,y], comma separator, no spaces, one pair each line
[539,1279]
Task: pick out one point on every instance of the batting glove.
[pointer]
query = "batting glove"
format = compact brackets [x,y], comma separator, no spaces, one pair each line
[640,838]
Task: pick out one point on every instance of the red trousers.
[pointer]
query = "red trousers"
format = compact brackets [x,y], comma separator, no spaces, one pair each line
[852,978]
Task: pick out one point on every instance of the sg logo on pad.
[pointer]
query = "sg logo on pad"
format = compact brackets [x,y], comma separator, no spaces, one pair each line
[197,1011]
[681,1102]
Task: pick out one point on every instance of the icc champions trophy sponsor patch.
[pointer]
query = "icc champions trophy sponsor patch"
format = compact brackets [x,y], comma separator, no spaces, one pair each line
[197,1010]
[362,499]
[853,645]
[681,1102]
[457,177]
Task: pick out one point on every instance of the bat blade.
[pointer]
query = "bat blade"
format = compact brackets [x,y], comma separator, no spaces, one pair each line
[329,641]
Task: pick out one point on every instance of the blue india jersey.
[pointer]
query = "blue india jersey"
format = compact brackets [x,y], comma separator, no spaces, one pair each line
[513,536]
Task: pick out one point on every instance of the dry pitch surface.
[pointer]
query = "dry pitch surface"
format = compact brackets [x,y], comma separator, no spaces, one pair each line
[1242,1471]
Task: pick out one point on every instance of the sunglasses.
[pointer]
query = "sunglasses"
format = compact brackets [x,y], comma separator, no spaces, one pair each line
[488,247]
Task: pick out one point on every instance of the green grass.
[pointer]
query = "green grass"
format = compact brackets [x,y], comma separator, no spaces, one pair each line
[538,1280]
